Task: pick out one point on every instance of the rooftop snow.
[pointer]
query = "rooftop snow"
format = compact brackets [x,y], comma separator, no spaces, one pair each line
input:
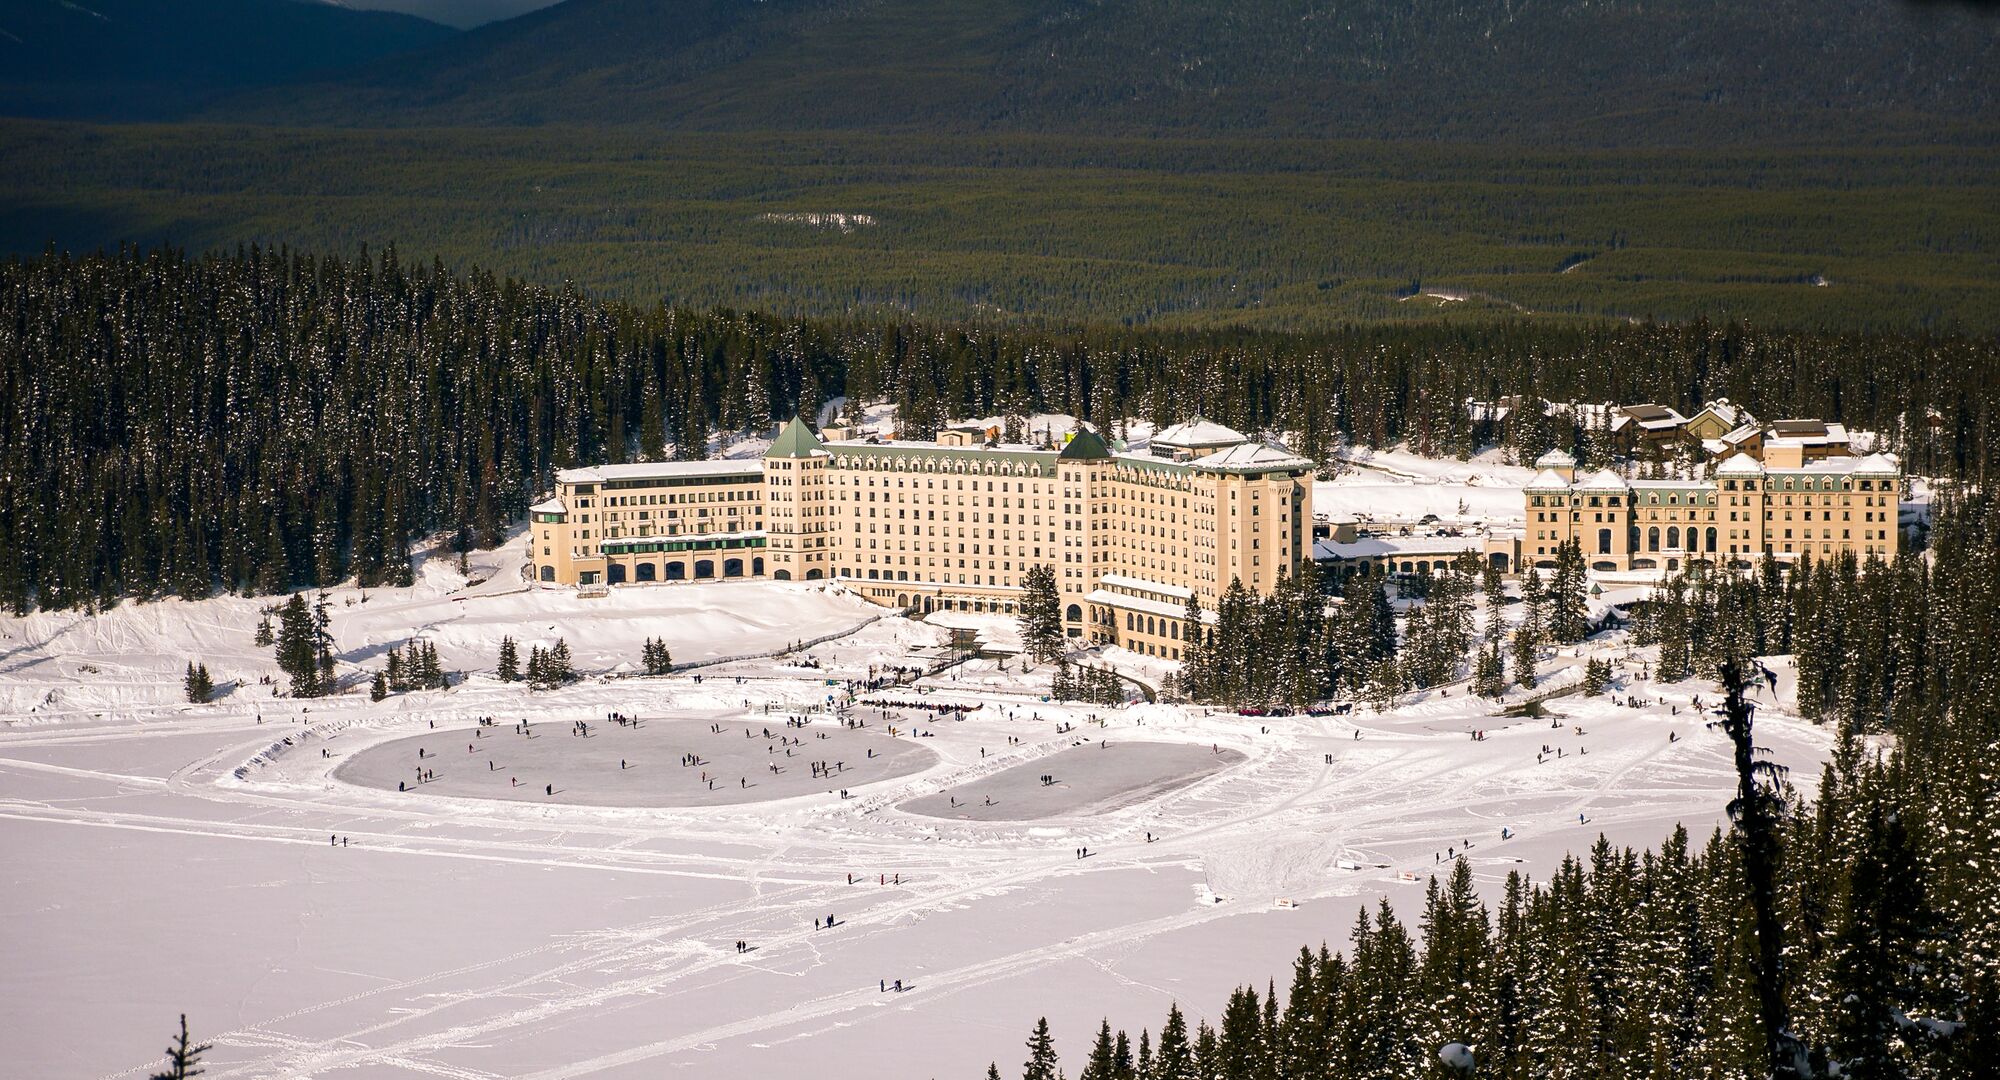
[1252,456]
[1123,582]
[1369,547]
[1199,433]
[664,470]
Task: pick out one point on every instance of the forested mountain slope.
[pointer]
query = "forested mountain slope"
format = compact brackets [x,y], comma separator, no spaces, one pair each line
[1610,70]
[151,58]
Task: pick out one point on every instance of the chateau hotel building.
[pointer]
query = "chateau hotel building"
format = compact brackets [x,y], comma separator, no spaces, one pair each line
[1790,491]
[953,524]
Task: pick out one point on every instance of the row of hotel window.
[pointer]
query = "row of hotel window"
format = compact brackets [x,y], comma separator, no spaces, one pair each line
[1695,537]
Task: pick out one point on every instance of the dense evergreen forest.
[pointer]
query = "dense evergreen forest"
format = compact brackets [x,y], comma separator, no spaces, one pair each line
[1863,235]
[263,421]
[1627,964]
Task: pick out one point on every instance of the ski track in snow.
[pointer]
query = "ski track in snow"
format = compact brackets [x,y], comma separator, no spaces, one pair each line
[632,972]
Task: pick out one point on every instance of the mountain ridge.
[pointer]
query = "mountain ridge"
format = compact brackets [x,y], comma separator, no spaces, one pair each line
[140,59]
[1369,68]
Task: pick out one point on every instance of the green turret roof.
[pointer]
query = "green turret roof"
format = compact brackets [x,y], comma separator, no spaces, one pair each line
[796,441]
[1085,445]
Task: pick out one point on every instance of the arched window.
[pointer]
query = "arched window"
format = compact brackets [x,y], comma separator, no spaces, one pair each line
[704,568]
[1653,538]
[1604,541]
[1075,613]
[1711,539]
[648,571]
[614,574]
[1673,538]
[548,573]
[757,567]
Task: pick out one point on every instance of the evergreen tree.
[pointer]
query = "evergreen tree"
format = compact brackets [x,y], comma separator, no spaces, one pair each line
[431,672]
[656,658]
[1495,589]
[183,1057]
[378,688]
[1888,943]
[1174,1059]
[1385,681]
[1568,616]
[1041,1064]
[266,636]
[1041,614]
[297,653]
[196,684]
[509,667]
[1102,1063]
[1528,635]
[1755,812]
[1489,675]
[1195,678]
[322,635]
[1596,677]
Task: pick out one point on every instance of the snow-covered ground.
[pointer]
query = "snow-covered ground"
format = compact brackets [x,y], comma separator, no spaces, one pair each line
[167,858]
[72,665]
[1397,486]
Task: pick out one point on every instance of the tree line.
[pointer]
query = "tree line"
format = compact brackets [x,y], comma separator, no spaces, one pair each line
[266,420]
[1293,649]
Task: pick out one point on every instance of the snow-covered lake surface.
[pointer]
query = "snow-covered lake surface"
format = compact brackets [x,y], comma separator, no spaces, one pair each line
[166,858]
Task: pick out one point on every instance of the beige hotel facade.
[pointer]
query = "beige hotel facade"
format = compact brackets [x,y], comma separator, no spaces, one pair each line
[953,524]
[1788,495]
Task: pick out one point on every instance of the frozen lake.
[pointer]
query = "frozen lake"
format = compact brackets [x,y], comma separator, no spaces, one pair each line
[163,858]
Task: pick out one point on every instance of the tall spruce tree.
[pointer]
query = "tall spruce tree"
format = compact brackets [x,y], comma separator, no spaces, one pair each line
[1568,615]
[1041,1063]
[1041,614]
[509,666]
[297,651]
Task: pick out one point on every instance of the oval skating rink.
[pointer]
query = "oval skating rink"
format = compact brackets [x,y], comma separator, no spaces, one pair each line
[1092,778]
[728,762]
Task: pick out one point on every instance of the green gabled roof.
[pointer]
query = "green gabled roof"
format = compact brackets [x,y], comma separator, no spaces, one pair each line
[1085,445]
[796,441]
